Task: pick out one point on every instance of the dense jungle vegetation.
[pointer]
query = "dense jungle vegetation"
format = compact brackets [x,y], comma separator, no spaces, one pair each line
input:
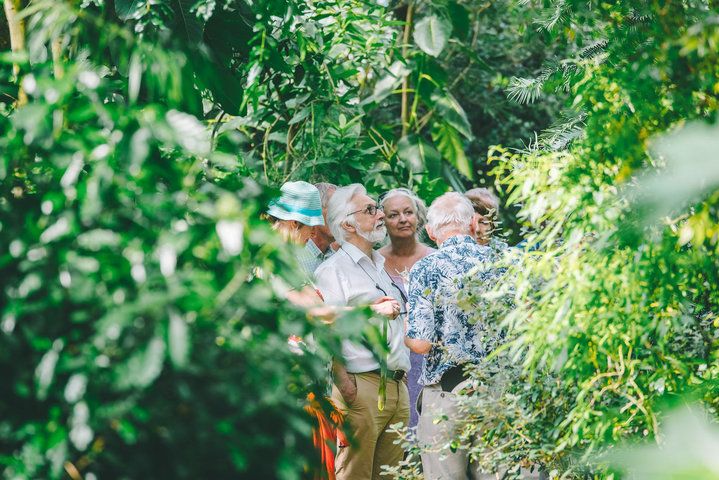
[141,140]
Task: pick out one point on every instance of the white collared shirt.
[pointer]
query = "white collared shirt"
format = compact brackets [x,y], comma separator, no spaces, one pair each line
[349,277]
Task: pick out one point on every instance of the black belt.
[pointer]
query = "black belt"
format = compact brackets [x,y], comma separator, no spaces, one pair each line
[453,377]
[395,375]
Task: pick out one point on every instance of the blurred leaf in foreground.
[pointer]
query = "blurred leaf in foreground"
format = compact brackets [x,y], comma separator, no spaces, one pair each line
[688,451]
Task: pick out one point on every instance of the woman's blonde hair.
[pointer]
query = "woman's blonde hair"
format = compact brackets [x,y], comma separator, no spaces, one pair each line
[420,208]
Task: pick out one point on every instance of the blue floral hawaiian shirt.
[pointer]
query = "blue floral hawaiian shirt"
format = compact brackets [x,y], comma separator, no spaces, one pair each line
[435,283]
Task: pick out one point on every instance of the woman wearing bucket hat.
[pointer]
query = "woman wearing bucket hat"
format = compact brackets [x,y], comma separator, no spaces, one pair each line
[296,211]
[294,214]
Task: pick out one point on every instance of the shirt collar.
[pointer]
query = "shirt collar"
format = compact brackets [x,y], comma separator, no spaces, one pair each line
[313,248]
[458,240]
[356,255]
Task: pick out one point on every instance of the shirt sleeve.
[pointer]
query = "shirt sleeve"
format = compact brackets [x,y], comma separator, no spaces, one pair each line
[329,284]
[420,311]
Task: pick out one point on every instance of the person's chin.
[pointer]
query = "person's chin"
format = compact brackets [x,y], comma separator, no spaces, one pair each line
[378,236]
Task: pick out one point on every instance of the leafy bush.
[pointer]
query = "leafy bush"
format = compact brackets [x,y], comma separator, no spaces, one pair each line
[616,300]
[136,339]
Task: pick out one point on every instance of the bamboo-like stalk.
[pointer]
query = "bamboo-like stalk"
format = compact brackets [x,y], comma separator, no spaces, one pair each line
[17,40]
[57,60]
[405,82]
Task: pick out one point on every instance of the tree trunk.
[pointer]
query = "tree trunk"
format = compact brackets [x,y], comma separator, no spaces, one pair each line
[17,40]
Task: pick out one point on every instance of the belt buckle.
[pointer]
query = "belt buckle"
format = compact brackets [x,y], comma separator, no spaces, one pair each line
[397,375]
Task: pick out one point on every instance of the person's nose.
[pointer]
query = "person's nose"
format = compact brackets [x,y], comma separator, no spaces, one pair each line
[380,214]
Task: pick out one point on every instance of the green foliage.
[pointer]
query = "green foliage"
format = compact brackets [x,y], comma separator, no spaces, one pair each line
[137,339]
[495,41]
[324,88]
[137,331]
[616,297]
[616,305]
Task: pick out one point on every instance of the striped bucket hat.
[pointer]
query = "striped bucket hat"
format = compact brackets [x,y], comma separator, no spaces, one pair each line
[298,201]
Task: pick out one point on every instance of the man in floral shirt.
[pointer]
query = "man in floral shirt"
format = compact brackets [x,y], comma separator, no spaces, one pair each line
[440,330]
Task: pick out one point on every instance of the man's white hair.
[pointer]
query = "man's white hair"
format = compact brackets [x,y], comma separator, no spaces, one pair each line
[326,190]
[450,212]
[338,209]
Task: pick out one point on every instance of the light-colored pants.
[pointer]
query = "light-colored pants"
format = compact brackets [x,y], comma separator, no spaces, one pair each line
[373,446]
[444,464]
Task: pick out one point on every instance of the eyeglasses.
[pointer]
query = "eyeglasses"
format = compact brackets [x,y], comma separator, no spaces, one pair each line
[369,209]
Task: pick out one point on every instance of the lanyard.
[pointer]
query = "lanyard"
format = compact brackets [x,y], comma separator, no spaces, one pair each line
[382,393]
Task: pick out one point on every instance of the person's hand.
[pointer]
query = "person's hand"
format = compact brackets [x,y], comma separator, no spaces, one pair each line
[387,306]
[347,385]
[349,393]
[324,313]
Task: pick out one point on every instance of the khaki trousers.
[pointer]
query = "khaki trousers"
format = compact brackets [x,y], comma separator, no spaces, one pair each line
[371,445]
[444,464]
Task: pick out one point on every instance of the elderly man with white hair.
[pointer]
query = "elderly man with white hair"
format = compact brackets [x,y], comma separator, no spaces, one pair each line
[370,400]
[441,331]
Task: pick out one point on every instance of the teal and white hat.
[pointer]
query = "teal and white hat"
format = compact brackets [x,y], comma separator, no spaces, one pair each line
[298,201]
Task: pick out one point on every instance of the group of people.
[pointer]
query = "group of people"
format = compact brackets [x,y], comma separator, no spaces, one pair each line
[412,289]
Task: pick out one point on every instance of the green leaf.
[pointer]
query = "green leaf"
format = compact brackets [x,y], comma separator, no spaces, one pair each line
[187,24]
[691,155]
[387,84]
[460,19]
[452,112]
[126,9]
[431,34]
[450,145]
[45,371]
[417,154]
[299,116]
[144,366]
[178,340]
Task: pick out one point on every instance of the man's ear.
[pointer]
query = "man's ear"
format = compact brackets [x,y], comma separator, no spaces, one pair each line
[429,234]
[474,224]
[348,227]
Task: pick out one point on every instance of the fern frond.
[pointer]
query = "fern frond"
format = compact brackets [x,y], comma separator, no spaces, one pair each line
[563,132]
[524,90]
[552,16]
[527,90]
[636,19]
[593,50]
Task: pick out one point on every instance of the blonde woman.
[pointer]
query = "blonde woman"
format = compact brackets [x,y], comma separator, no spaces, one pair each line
[404,216]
